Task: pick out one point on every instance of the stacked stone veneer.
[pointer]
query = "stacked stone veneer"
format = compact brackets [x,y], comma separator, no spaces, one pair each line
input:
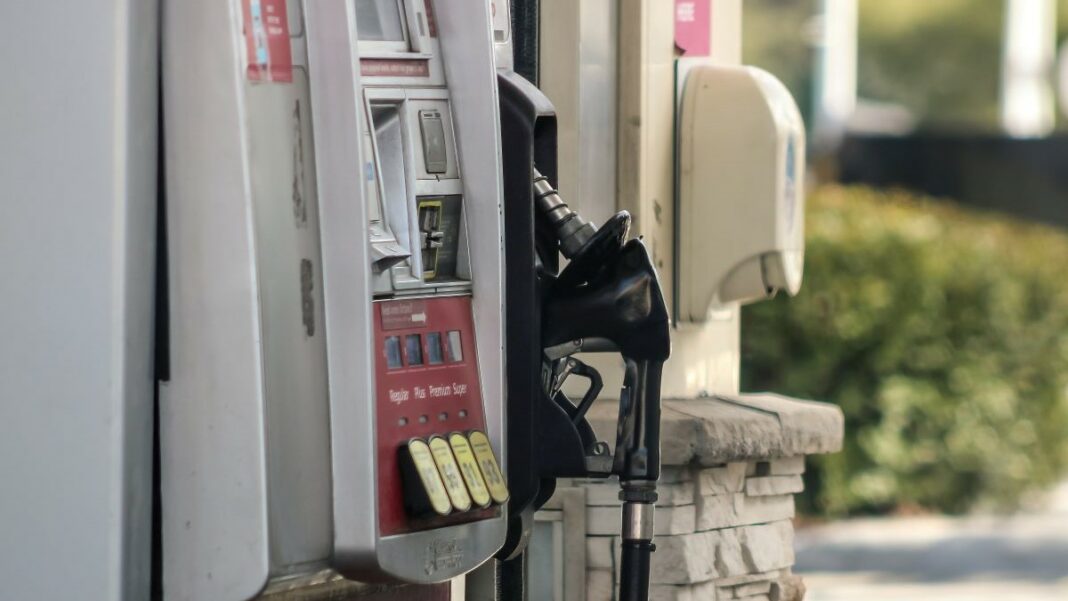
[724,526]
[721,532]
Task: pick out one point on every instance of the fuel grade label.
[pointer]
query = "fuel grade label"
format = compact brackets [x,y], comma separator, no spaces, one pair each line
[450,474]
[423,458]
[472,474]
[480,444]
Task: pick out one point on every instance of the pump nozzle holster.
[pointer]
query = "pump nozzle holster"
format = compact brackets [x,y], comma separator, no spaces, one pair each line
[607,299]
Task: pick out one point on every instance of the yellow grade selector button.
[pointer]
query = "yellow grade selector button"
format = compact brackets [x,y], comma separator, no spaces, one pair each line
[480,444]
[472,474]
[450,473]
[423,460]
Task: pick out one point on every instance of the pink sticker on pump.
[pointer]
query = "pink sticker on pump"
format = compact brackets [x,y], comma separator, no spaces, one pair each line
[693,27]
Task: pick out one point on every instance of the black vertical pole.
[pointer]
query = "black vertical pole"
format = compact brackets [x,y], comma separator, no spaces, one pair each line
[511,584]
[525,28]
[511,573]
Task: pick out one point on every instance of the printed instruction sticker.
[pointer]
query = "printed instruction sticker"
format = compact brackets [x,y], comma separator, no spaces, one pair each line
[270,56]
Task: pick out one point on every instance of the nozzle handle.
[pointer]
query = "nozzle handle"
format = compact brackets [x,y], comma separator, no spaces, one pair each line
[638,467]
[638,426]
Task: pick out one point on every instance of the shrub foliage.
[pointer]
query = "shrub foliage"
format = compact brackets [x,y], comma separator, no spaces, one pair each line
[943,335]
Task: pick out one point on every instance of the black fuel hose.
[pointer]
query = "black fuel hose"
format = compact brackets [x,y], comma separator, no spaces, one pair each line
[634,570]
[639,431]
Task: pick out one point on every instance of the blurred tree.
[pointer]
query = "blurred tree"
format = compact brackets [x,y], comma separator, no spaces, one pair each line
[943,336]
[776,39]
[940,60]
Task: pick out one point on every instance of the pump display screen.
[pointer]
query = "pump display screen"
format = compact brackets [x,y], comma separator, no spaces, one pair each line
[380,21]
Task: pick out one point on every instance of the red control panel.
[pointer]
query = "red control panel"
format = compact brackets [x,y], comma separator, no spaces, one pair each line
[426,383]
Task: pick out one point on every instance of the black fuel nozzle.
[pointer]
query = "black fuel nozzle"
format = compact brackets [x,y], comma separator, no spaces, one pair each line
[608,298]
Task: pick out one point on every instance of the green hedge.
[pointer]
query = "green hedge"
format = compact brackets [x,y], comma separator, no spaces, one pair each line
[943,335]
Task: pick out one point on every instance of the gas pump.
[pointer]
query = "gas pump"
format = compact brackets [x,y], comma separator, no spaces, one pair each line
[423,87]
[606,298]
[334,213]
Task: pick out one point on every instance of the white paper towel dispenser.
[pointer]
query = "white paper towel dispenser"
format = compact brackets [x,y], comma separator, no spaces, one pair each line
[741,189]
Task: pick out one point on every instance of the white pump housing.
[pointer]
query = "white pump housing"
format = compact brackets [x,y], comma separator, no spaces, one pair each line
[741,189]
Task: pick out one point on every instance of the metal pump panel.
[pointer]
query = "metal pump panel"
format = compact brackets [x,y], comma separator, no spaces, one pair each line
[335,254]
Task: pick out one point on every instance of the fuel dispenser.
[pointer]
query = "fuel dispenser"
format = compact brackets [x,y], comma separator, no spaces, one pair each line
[574,288]
[430,152]
[335,235]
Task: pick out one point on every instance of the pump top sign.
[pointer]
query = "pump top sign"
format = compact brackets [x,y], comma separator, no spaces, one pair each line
[693,27]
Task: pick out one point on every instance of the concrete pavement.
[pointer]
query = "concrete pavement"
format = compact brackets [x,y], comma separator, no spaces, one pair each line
[1022,557]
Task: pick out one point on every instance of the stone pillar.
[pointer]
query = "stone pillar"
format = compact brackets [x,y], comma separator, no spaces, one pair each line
[724,522]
